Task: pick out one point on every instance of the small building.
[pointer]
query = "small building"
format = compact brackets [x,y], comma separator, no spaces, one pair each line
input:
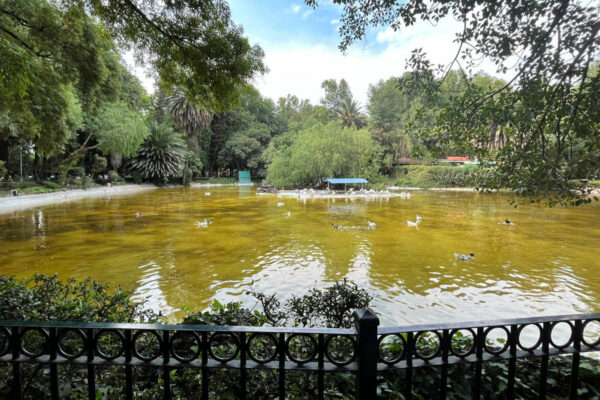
[346,181]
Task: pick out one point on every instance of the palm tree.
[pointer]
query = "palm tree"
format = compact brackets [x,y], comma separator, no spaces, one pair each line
[189,117]
[350,113]
[162,154]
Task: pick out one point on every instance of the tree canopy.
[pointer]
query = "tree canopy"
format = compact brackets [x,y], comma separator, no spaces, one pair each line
[547,108]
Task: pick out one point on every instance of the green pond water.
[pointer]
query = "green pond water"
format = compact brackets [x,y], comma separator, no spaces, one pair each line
[545,264]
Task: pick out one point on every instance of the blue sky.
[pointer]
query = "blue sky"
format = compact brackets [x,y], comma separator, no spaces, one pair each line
[301,48]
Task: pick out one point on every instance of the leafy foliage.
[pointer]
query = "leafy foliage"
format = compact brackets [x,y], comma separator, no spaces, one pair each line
[322,151]
[162,154]
[120,130]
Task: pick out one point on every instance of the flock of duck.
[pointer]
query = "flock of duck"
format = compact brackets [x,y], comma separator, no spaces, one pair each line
[370,225]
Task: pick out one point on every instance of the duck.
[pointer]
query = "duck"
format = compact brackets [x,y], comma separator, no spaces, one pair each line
[289,213]
[508,222]
[280,204]
[139,214]
[207,194]
[419,219]
[338,227]
[203,224]
[372,225]
[464,257]
[410,223]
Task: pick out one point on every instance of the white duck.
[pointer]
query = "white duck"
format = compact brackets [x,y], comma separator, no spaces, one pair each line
[203,224]
[207,194]
[372,225]
[410,223]
[464,257]
[280,204]
[289,214]
[139,214]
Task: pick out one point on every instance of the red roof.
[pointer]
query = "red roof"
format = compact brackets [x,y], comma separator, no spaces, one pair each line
[457,158]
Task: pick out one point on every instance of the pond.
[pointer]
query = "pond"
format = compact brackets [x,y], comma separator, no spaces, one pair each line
[150,243]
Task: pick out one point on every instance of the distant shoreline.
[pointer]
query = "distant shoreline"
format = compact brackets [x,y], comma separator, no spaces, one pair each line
[10,204]
[18,203]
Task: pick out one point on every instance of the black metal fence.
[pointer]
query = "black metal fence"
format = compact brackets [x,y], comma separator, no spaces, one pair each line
[365,351]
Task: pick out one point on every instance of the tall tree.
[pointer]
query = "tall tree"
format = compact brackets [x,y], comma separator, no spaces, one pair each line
[189,117]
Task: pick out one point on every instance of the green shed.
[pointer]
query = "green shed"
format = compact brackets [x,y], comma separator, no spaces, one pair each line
[244,177]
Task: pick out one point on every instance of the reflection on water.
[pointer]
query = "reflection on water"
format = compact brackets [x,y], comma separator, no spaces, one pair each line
[150,243]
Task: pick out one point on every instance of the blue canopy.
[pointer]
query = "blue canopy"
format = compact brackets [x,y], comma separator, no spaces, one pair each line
[336,181]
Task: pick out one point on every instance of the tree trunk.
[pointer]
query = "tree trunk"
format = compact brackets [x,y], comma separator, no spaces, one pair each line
[4,150]
[116,160]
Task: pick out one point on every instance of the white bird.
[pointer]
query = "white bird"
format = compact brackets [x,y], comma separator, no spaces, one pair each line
[419,219]
[280,204]
[338,227]
[464,257]
[372,225]
[139,214]
[289,214]
[410,223]
[207,194]
[203,224]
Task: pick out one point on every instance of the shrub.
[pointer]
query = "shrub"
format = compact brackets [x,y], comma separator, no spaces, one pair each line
[162,154]
[436,176]
[3,170]
[113,176]
[99,165]
[77,171]
[137,178]
[50,185]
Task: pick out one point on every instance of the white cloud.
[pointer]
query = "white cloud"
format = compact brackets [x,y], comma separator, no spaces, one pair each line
[299,69]
[334,21]
[307,13]
[295,9]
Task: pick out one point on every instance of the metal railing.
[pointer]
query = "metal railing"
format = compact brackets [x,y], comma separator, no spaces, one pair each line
[364,351]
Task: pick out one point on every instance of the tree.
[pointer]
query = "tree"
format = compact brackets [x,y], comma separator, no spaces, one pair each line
[351,115]
[120,132]
[189,117]
[549,102]
[162,155]
[322,151]
[338,100]
[191,44]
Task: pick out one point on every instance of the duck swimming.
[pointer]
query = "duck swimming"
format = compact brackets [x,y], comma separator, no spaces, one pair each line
[203,224]
[207,194]
[464,257]
[410,223]
[372,225]
[280,204]
[338,227]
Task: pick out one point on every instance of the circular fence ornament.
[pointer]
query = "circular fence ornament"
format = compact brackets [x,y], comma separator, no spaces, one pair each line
[462,342]
[591,332]
[71,343]
[109,344]
[391,348]
[223,346]
[529,337]
[301,348]
[34,342]
[262,347]
[428,344]
[561,334]
[496,340]
[340,349]
[146,345]
[185,346]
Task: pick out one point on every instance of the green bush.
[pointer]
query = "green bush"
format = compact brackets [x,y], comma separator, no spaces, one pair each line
[50,185]
[136,178]
[99,165]
[18,185]
[113,176]
[3,170]
[437,176]
[77,171]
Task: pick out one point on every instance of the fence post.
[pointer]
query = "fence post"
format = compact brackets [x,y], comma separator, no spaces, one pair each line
[366,323]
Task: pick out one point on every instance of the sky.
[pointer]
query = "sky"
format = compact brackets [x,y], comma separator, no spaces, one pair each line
[301,48]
